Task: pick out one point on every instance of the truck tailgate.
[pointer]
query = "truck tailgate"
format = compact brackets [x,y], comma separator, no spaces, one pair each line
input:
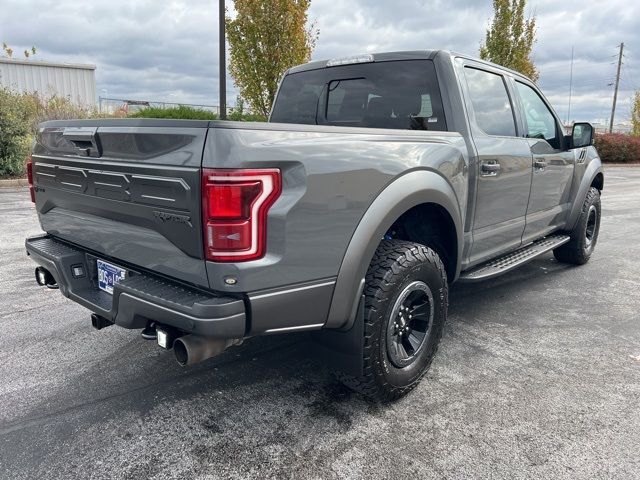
[127,189]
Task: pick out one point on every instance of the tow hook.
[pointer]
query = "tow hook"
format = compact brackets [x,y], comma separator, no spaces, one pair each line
[149,332]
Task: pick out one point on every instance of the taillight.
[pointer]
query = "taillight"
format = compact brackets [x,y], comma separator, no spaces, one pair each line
[234,212]
[32,191]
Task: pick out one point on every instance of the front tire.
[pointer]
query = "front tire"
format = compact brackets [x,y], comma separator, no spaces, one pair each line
[406,301]
[584,236]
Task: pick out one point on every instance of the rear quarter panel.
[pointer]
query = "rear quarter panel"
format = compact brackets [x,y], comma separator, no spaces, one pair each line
[331,175]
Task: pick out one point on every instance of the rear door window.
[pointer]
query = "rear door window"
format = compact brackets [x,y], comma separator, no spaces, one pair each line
[399,94]
[491,103]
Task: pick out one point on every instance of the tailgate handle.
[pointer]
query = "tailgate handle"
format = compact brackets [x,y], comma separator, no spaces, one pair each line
[85,141]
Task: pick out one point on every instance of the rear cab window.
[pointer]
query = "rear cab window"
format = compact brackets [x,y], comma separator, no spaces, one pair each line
[400,94]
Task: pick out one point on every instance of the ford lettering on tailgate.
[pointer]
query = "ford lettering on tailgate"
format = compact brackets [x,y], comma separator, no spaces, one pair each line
[174,193]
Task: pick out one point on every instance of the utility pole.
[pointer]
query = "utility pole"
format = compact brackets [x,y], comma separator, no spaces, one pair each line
[223,63]
[570,87]
[615,92]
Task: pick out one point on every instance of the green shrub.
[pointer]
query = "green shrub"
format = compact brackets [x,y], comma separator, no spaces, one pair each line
[191,113]
[618,148]
[20,114]
[238,113]
[15,133]
[57,108]
[181,112]
[246,117]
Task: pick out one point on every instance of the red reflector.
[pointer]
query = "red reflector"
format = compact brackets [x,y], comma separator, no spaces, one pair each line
[234,212]
[32,191]
[29,171]
[229,236]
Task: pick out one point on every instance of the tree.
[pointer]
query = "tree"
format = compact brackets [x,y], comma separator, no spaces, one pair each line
[510,38]
[8,51]
[635,115]
[266,38]
[28,53]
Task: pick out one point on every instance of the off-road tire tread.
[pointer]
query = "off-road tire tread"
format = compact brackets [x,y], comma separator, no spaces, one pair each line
[387,264]
[573,251]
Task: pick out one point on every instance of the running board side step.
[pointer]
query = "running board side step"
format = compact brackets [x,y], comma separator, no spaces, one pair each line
[513,260]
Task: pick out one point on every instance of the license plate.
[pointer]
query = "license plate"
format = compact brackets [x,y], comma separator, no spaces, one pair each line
[109,275]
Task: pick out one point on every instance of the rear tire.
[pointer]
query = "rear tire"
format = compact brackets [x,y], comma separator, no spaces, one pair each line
[584,236]
[406,301]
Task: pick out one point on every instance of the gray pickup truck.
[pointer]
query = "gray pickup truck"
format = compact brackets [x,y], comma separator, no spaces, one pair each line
[378,181]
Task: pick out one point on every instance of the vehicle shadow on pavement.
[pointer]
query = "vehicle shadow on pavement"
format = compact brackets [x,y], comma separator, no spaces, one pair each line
[262,402]
[148,374]
[533,275]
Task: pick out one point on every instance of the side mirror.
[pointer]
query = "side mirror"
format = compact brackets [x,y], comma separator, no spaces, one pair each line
[582,135]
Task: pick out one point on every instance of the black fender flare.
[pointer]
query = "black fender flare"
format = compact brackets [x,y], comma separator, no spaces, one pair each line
[407,191]
[592,170]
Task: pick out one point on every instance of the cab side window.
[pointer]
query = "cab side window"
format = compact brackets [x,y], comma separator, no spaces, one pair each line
[491,103]
[540,121]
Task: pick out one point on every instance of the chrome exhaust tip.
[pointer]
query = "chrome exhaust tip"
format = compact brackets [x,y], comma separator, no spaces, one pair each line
[192,349]
[45,278]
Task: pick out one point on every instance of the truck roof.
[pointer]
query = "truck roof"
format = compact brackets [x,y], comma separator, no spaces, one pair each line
[406,55]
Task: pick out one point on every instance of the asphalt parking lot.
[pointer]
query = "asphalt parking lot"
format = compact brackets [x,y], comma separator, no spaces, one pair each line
[538,376]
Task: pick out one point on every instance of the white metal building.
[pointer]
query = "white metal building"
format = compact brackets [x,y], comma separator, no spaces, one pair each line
[77,82]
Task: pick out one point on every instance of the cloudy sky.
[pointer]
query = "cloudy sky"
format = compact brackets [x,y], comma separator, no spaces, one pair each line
[167,50]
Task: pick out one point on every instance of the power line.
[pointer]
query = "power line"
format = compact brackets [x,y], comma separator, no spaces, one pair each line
[562,65]
[626,83]
[636,85]
[603,81]
[629,77]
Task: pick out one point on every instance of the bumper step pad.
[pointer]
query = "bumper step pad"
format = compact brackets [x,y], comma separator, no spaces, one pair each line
[141,297]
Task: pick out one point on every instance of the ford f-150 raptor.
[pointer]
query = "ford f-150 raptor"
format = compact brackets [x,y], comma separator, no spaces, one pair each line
[378,181]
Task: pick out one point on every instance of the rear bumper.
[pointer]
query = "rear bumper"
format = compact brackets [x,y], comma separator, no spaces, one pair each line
[140,297]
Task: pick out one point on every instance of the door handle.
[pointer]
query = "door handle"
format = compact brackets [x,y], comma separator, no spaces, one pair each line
[490,168]
[539,164]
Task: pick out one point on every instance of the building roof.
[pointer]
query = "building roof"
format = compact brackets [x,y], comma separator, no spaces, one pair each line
[38,63]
